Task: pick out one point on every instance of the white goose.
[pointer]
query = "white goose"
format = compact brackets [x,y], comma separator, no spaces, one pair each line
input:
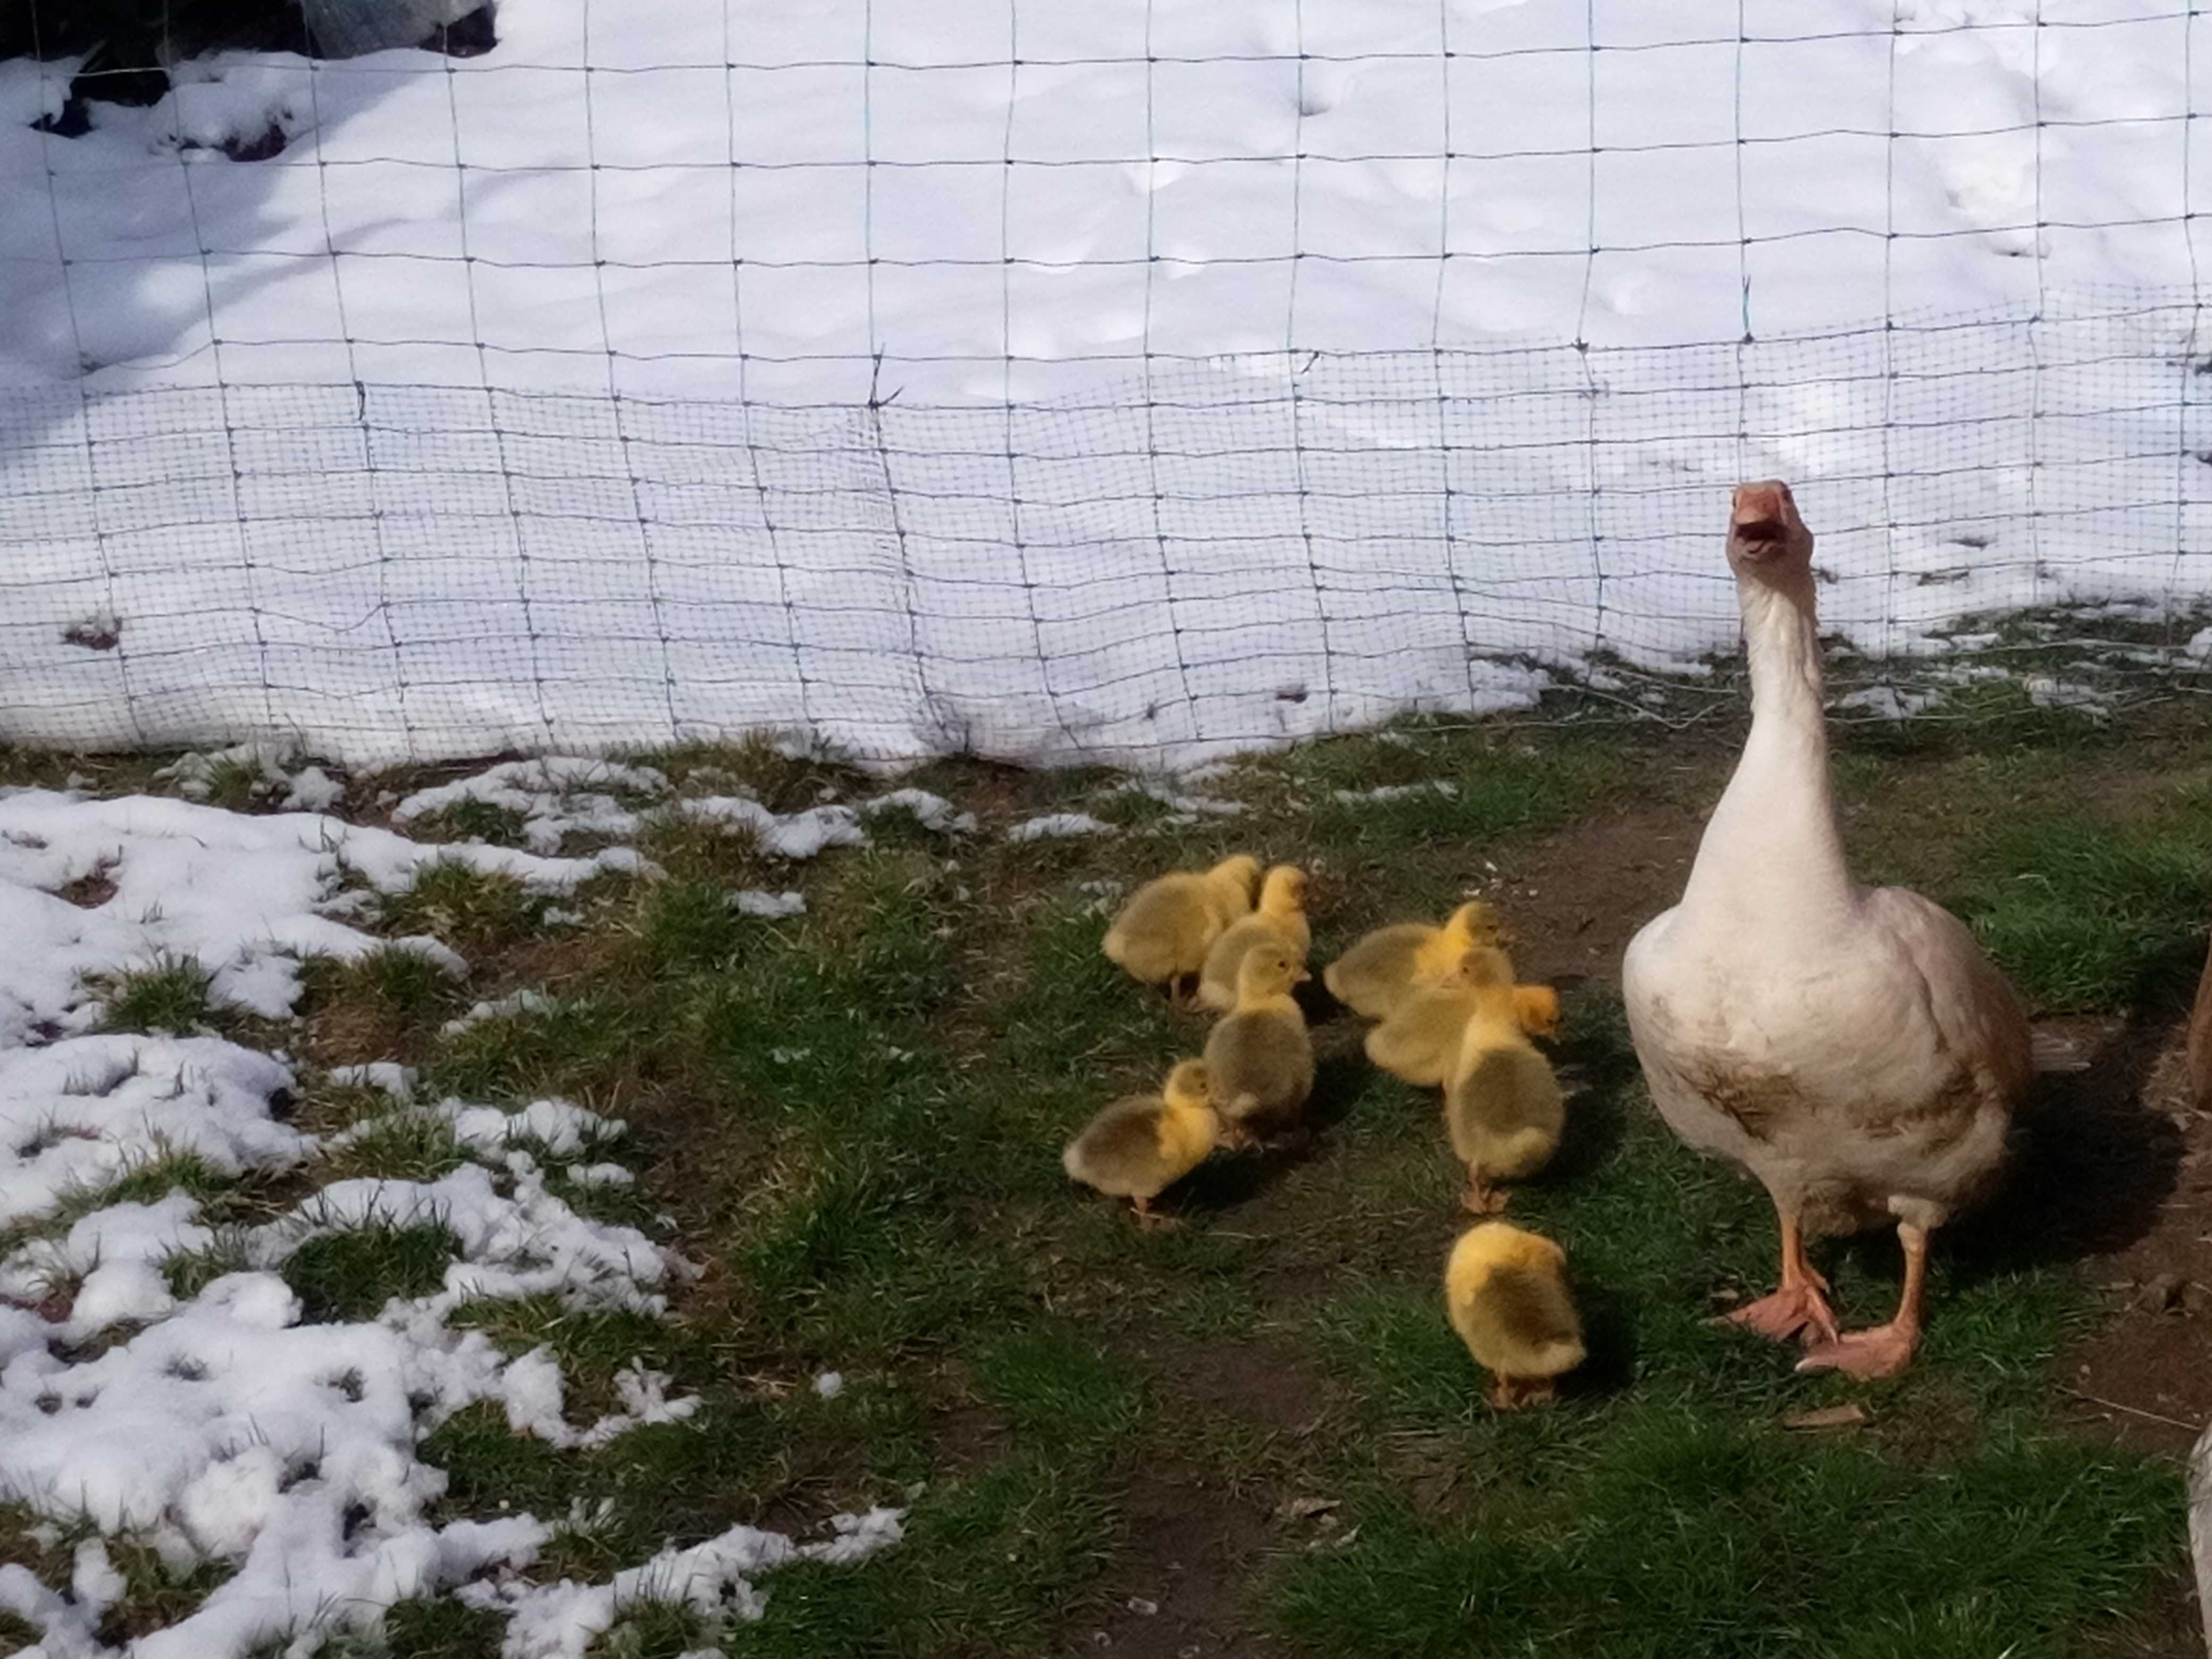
[1851,1047]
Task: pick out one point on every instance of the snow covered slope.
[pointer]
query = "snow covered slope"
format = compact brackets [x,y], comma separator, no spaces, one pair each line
[393,507]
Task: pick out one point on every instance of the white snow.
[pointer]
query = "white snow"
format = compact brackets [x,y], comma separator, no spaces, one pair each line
[1132,130]
[788,835]
[1396,792]
[1055,826]
[384,1075]
[752,902]
[715,1578]
[555,796]
[78,1114]
[931,811]
[505,1007]
[116,1253]
[1120,495]
[552,1128]
[276,767]
[245,896]
[1186,807]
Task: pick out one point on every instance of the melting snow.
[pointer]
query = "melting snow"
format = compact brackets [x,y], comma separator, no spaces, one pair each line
[558,1621]
[381,1074]
[79,1114]
[219,1427]
[246,897]
[505,1007]
[279,772]
[1397,791]
[555,797]
[1055,826]
[754,903]
[784,836]
[932,811]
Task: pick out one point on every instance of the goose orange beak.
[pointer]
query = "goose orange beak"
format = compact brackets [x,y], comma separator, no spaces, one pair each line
[1761,518]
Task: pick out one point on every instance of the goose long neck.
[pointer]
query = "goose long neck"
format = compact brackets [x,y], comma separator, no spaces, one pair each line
[1771,849]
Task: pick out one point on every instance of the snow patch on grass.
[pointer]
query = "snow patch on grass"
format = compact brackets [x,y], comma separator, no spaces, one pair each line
[1058,826]
[555,797]
[714,1579]
[247,897]
[78,1114]
[213,1419]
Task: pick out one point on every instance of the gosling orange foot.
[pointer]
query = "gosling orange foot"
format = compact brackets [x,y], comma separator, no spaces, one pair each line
[1481,1200]
[1148,1218]
[1882,1351]
[1794,1309]
[1510,1394]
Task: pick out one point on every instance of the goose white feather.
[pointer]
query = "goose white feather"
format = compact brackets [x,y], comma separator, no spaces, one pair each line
[1852,1048]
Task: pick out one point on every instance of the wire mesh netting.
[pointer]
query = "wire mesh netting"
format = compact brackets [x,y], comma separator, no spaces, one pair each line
[1132,387]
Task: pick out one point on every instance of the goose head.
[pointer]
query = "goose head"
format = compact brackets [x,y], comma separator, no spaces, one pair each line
[1768,543]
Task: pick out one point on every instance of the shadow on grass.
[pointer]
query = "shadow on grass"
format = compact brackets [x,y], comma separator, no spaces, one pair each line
[2093,1164]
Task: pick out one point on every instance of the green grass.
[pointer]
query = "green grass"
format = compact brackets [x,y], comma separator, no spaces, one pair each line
[852,1118]
[475,911]
[173,995]
[471,820]
[2091,915]
[154,1596]
[351,1273]
[653,1630]
[1050,1384]
[397,1145]
[593,1345]
[146,1181]
[990,1564]
[190,1272]
[578,1047]
[439,1630]
[1694,1537]
[237,785]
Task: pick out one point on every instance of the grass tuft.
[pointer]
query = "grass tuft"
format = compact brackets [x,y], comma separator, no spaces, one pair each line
[422,1629]
[397,1145]
[471,820]
[686,925]
[350,1275]
[653,1630]
[478,912]
[173,995]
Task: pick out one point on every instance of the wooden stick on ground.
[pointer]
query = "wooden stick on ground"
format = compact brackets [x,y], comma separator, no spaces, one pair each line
[2197,1056]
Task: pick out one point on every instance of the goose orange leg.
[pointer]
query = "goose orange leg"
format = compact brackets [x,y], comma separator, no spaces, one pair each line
[1885,1350]
[1801,1304]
